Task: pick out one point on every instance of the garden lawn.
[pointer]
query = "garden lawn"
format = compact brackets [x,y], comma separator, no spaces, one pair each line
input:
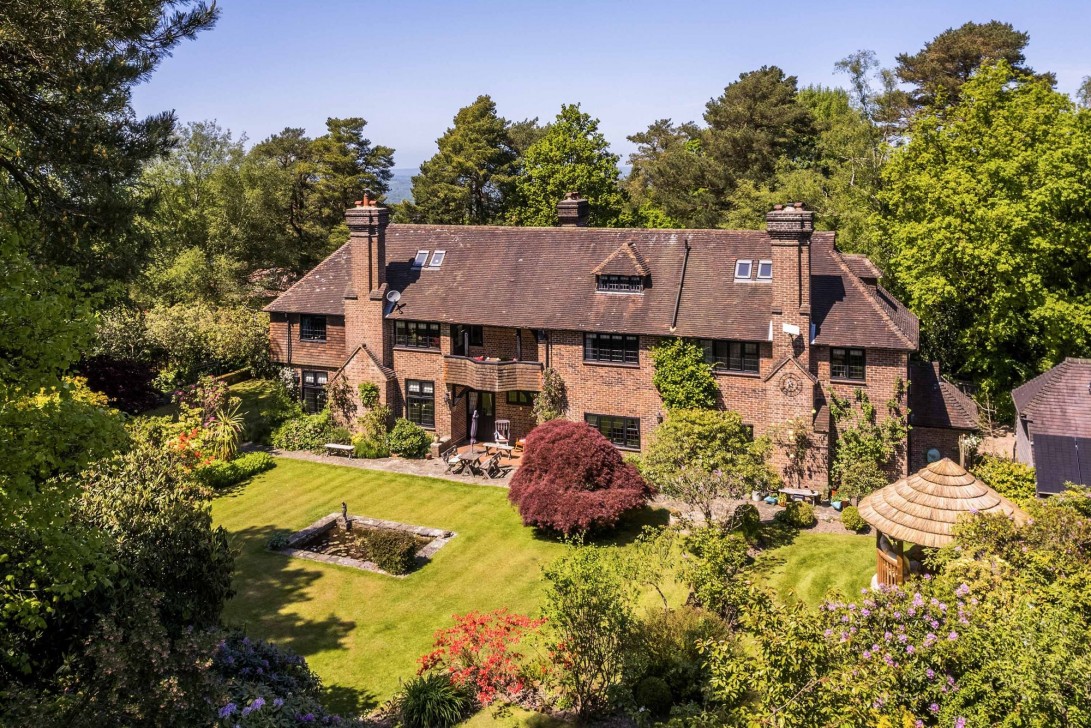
[814,563]
[363,632]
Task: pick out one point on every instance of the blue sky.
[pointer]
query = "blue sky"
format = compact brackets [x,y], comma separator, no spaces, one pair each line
[408,66]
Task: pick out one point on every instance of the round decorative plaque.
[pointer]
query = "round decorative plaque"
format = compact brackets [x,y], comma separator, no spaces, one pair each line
[790,386]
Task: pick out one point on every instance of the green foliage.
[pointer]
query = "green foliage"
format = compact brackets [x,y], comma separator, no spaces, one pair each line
[409,439]
[369,449]
[1009,478]
[653,695]
[571,156]
[682,377]
[985,232]
[224,429]
[852,520]
[200,339]
[666,647]
[700,456]
[551,402]
[393,551]
[369,394]
[718,571]
[372,440]
[265,404]
[864,442]
[221,474]
[470,179]
[797,514]
[431,701]
[589,609]
[310,432]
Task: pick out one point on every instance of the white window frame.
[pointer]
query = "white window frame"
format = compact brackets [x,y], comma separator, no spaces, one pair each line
[421,259]
[765,263]
[749,269]
[437,258]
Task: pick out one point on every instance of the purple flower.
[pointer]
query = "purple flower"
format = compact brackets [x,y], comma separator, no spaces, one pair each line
[257,703]
[865,612]
[930,673]
[960,722]
[934,708]
[277,702]
[963,589]
[227,710]
[953,636]
[909,649]
[867,654]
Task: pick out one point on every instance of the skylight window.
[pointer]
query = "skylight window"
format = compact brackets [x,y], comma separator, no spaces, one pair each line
[437,259]
[421,259]
[743,269]
[765,269]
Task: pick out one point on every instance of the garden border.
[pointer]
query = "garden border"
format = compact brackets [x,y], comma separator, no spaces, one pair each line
[439,537]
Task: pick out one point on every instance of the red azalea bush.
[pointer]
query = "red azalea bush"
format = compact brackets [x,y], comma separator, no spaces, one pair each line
[571,479]
[478,653]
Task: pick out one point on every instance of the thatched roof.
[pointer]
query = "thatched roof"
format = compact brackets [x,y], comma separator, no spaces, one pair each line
[924,507]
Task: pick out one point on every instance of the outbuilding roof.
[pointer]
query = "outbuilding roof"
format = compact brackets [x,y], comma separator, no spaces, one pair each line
[1058,402]
[936,402]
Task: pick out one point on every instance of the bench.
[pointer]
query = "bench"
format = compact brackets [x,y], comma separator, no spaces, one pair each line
[803,494]
[333,448]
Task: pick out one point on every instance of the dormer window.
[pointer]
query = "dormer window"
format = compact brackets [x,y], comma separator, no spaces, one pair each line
[620,284]
[421,259]
[437,259]
[743,269]
[765,270]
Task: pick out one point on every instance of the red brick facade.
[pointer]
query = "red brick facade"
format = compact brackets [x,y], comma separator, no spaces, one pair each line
[789,390]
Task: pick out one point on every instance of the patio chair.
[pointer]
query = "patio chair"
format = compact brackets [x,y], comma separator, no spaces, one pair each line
[455,464]
[502,434]
[494,469]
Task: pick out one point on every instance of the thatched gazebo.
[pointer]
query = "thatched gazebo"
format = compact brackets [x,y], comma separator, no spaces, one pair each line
[921,510]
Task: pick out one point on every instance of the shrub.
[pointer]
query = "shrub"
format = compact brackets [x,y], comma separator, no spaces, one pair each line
[718,560]
[682,377]
[224,474]
[573,480]
[369,394]
[668,647]
[747,520]
[198,338]
[310,432]
[369,449]
[431,701]
[852,520]
[392,551]
[551,402]
[797,514]
[409,440]
[653,695]
[1009,478]
[478,654]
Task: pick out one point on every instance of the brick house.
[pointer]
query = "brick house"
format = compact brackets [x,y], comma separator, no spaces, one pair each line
[1053,425]
[449,320]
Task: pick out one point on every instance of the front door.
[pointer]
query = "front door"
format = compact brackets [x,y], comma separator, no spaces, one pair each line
[484,403]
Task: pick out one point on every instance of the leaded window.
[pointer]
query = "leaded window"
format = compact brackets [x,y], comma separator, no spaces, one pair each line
[848,364]
[416,334]
[622,431]
[312,328]
[611,348]
[420,402]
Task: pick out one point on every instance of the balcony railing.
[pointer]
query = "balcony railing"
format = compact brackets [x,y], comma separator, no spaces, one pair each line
[492,375]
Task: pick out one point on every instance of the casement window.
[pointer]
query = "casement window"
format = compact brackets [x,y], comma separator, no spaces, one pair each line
[731,356]
[620,284]
[744,269]
[420,402]
[847,364]
[765,270]
[611,348]
[622,431]
[416,334]
[420,259]
[314,391]
[521,398]
[312,328]
[459,335]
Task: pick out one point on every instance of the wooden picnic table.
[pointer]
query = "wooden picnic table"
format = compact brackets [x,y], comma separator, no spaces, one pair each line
[801,494]
[499,447]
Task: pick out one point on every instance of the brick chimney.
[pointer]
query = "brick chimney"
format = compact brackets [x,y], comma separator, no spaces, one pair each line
[573,210]
[790,227]
[365,297]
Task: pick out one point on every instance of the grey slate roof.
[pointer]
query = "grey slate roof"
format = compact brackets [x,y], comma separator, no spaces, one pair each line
[936,402]
[1059,401]
[545,278]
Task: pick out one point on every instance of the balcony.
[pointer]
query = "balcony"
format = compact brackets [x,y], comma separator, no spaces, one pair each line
[492,375]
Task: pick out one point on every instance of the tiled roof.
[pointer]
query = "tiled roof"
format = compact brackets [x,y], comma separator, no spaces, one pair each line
[1059,401]
[544,278]
[322,290]
[625,261]
[936,402]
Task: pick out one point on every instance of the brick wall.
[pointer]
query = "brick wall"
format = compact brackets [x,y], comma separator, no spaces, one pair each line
[921,439]
[287,348]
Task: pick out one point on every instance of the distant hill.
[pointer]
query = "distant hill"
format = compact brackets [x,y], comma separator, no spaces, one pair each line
[401,184]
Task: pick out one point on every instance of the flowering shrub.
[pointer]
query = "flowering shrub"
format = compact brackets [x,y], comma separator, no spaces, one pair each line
[208,396]
[572,480]
[478,653]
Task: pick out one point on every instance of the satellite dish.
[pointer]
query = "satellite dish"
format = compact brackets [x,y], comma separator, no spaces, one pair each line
[790,329]
[393,296]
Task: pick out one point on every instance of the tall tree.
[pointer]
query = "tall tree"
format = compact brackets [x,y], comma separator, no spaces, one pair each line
[670,174]
[71,147]
[572,155]
[470,179]
[988,225]
[938,71]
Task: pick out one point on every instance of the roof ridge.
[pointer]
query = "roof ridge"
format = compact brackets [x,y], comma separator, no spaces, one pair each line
[864,289]
[574,230]
[1051,377]
[960,398]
